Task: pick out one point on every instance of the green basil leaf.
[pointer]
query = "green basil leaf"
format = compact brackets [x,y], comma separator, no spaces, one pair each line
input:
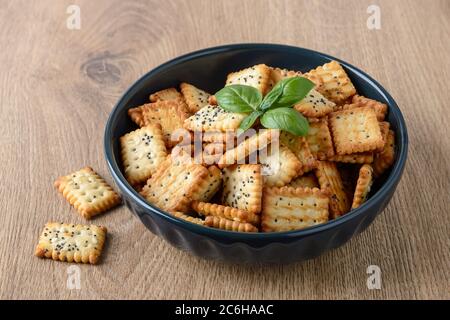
[250,120]
[271,98]
[238,98]
[286,119]
[293,91]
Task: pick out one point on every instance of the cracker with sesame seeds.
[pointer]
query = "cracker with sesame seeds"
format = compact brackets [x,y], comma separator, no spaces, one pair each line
[319,140]
[210,185]
[287,208]
[230,213]
[188,218]
[315,105]
[142,150]
[229,225]
[71,243]
[248,146]
[365,180]
[361,157]
[330,179]
[300,148]
[279,164]
[242,187]
[332,81]
[89,194]
[214,118]
[257,76]
[165,95]
[195,98]
[308,180]
[228,137]
[379,107]
[355,130]
[176,181]
[383,160]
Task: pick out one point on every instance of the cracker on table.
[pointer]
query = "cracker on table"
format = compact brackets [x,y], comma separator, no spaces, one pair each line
[230,225]
[315,105]
[71,243]
[355,130]
[165,95]
[257,76]
[385,158]
[332,81]
[195,98]
[308,180]
[87,192]
[142,150]
[188,218]
[280,165]
[300,148]
[365,180]
[230,213]
[287,208]
[319,139]
[174,184]
[242,187]
[210,185]
[214,118]
[330,179]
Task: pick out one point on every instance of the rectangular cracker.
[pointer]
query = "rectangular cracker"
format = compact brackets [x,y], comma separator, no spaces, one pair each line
[379,107]
[308,180]
[355,130]
[210,185]
[385,158]
[71,243]
[249,146]
[361,157]
[188,218]
[257,76]
[332,81]
[214,118]
[330,179]
[300,148]
[365,180]
[230,213]
[280,165]
[142,150]
[165,95]
[242,187]
[195,98]
[174,184]
[229,225]
[319,140]
[384,129]
[287,208]
[87,192]
[315,105]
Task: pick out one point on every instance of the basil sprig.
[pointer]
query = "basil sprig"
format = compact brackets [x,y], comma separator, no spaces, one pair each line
[275,110]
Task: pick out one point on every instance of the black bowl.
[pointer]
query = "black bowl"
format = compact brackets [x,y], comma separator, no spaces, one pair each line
[207,69]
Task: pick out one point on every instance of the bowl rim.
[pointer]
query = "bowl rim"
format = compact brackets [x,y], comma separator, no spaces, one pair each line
[121,182]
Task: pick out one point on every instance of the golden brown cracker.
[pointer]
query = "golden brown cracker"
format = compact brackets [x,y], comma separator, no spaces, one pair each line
[308,180]
[362,157]
[319,140]
[188,218]
[379,107]
[195,98]
[385,158]
[210,185]
[165,95]
[280,165]
[230,213]
[300,148]
[315,105]
[257,76]
[214,118]
[363,185]
[229,225]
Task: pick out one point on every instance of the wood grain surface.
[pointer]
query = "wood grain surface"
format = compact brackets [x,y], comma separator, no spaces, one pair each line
[57,87]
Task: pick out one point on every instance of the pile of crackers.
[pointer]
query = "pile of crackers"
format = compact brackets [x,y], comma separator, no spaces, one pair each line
[319,177]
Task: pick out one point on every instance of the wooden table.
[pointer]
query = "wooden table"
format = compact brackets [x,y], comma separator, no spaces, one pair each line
[58,86]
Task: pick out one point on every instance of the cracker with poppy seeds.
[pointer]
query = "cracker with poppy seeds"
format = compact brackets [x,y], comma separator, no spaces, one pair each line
[71,243]
[257,76]
[361,157]
[227,137]
[319,139]
[165,95]
[173,185]
[315,105]
[242,187]
[142,150]
[195,98]
[214,118]
[308,180]
[379,107]
[300,148]
[248,146]
[89,193]
[287,208]
[365,180]
[332,81]
[188,218]
[278,74]
[280,165]
[384,159]
[230,213]
[229,225]
[355,130]
[330,179]
[210,185]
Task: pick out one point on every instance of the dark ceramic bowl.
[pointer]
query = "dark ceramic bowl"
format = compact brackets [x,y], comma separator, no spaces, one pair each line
[207,69]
